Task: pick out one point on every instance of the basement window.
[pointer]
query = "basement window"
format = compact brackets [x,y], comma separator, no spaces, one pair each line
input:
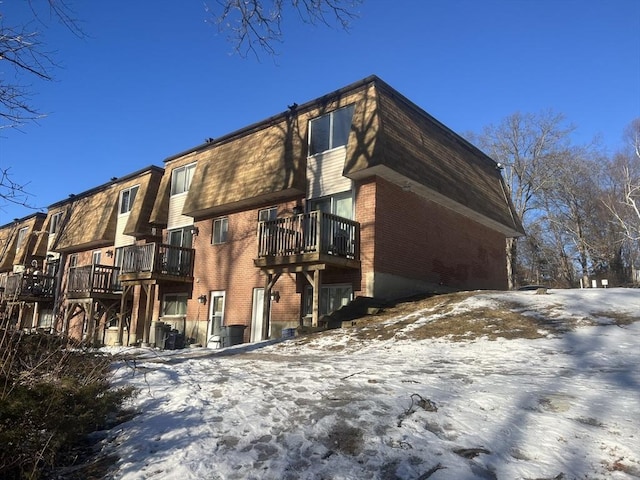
[332,297]
[330,130]
[174,305]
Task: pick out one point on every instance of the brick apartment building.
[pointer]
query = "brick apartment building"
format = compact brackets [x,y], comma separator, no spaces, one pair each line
[357,193]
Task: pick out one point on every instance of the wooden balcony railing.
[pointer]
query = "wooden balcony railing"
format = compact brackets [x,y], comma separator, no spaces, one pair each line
[157,259]
[90,279]
[313,232]
[21,285]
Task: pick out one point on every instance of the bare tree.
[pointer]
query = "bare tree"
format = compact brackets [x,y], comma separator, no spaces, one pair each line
[529,147]
[24,58]
[624,199]
[256,25]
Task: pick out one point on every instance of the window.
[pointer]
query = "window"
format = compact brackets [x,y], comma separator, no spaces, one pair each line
[45,318]
[22,234]
[340,204]
[95,258]
[182,237]
[73,260]
[127,197]
[54,224]
[178,261]
[181,179]
[330,130]
[267,214]
[174,305]
[220,230]
[332,297]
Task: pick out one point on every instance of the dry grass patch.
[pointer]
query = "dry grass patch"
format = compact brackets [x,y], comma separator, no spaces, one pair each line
[618,318]
[481,322]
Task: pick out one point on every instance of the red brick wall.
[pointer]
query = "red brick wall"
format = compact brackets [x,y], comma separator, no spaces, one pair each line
[229,267]
[365,213]
[420,239]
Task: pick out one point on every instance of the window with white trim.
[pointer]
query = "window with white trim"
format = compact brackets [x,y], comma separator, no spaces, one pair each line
[22,235]
[340,204]
[330,130]
[54,223]
[174,305]
[220,230]
[127,197]
[45,318]
[181,178]
[266,214]
[73,260]
[95,257]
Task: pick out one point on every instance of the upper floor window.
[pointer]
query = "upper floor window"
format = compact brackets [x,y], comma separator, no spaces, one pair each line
[95,257]
[330,130]
[181,237]
[220,230]
[22,235]
[181,179]
[54,223]
[267,214]
[340,204]
[127,197]
[73,260]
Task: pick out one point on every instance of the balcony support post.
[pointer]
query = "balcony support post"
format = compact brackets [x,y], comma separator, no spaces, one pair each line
[91,323]
[316,283]
[123,302]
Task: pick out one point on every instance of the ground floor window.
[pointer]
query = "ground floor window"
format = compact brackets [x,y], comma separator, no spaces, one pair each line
[332,297]
[45,318]
[174,304]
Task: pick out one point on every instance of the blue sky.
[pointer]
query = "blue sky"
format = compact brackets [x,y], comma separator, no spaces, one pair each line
[153,79]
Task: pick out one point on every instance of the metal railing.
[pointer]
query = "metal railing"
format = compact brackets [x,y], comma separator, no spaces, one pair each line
[313,232]
[157,258]
[94,279]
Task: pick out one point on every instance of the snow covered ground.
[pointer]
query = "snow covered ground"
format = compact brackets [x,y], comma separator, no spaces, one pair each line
[346,405]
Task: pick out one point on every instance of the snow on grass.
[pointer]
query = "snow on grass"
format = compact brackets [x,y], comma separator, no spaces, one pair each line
[341,406]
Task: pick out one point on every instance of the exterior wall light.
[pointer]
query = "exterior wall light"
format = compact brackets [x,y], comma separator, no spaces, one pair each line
[202,299]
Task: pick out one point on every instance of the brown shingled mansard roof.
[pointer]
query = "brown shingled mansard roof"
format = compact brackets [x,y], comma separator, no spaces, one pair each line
[391,137]
[13,254]
[89,219]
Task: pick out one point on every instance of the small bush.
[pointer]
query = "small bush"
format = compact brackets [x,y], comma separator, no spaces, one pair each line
[53,392]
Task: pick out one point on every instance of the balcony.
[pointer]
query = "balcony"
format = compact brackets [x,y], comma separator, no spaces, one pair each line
[156,262]
[29,287]
[309,238]
[89,281]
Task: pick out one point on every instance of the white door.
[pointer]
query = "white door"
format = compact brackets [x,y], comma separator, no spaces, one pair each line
[257,315]
[216,318]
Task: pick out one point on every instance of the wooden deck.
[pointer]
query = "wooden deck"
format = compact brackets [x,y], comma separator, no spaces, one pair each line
[94,281]
[312,238]
[156,263]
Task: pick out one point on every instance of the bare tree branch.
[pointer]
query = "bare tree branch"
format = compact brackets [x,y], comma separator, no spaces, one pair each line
[23,59]
[255,26]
